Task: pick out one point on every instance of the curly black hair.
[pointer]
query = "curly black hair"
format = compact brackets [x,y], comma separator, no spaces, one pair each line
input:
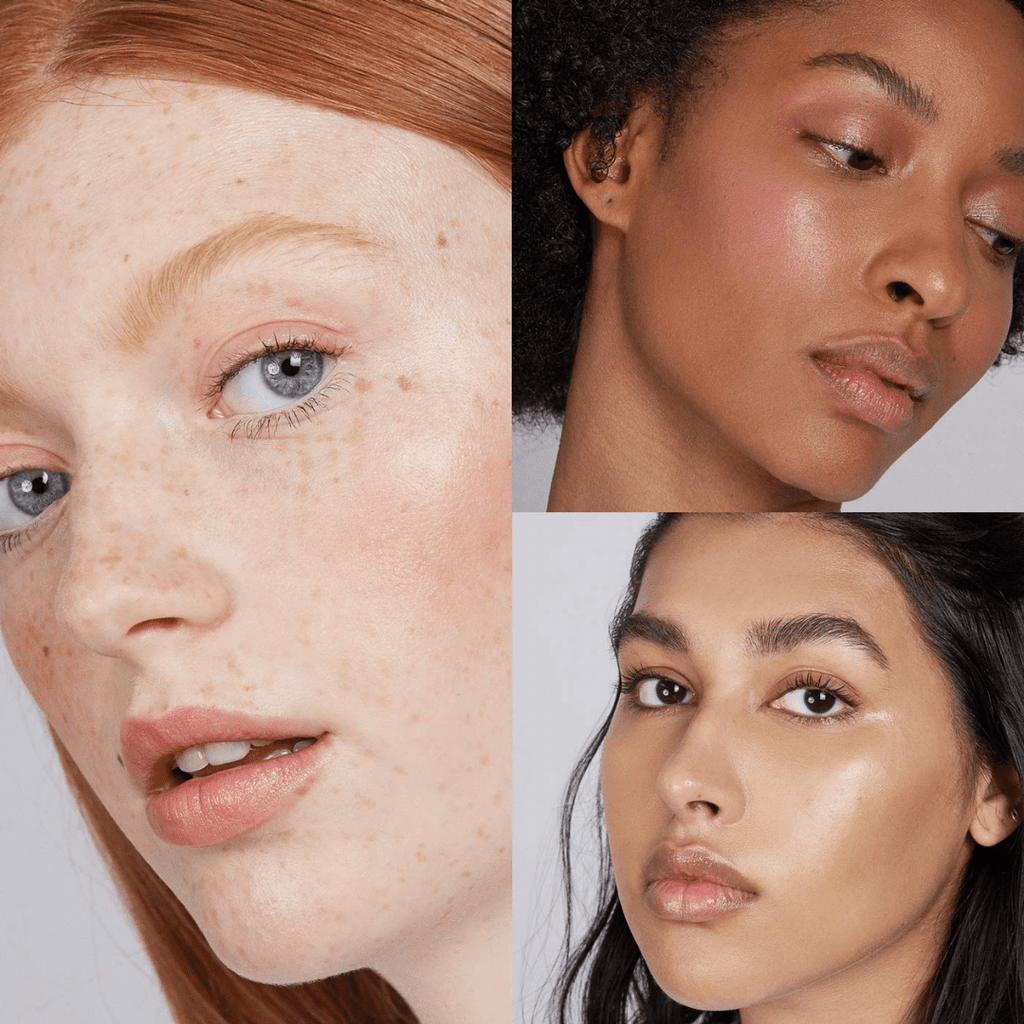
[579,64]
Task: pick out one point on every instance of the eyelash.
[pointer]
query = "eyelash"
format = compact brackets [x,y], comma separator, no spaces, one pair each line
[629,683]
[253,427]
[841,167]
[265,425]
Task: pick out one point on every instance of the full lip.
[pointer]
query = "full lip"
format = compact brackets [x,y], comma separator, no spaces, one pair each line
[690,885]
[886,356]
[692,863]
[151,744]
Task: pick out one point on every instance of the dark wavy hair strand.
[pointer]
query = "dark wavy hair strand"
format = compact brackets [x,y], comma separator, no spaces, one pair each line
[963,575]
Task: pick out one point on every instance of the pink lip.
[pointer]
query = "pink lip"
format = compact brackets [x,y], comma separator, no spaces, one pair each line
[876,378]
[692,885]
[231,803]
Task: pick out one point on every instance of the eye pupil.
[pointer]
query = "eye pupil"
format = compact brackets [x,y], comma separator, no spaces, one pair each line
[819,701]
[292,374]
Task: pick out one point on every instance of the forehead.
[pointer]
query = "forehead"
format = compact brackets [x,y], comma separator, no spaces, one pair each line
[960,53]
[719,574]
[112,180]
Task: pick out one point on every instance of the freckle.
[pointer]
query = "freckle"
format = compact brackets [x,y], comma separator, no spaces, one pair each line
[362,384]
[442,240]
[483,833]
[421,858]
[125,258]
[112,559]
[485,761]
[239,181]
[119,761]
[467,874]
[46,651]
[403,382]
[399,770]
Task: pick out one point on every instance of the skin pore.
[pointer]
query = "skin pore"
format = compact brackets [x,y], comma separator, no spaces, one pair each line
[782,714]
[339,557]
[845,175]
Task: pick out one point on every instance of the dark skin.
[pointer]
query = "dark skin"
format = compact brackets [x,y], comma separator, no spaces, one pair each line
[811,201]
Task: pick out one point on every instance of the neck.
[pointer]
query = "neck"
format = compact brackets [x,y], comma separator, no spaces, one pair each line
[629,445]
[461,972]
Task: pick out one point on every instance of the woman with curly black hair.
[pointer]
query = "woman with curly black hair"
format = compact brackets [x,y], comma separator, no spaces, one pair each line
[761,246]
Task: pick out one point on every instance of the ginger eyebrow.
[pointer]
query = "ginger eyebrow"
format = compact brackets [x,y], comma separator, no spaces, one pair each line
[763,638]
[152,298]
[912,98]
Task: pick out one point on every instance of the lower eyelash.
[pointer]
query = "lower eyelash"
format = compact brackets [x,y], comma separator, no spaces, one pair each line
[266,425]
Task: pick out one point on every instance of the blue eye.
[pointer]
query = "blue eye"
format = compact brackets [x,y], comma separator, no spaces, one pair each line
[29,493]
[276,379]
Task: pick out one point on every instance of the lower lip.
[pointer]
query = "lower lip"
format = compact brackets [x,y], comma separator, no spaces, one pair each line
[218,808]
[867,396]
[694,901]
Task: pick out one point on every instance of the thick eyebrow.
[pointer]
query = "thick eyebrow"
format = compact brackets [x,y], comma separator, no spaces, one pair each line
[769,636]
[910,97]
[639,626]
[152,298]
[774,636]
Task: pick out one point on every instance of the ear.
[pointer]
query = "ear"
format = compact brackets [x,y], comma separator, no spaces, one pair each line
[612,196]
[997,810]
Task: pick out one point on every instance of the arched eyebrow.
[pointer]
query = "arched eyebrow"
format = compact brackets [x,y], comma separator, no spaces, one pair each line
[912,98]
[156,295]
[763,638]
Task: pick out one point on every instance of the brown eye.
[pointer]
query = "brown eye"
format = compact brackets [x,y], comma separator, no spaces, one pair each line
[657,692]
[852,157]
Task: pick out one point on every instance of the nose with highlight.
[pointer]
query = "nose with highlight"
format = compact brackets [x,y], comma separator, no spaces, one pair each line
[698,778]
[923,265]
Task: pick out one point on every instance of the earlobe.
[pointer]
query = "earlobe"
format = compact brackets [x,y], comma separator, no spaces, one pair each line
[998,806]
[609,189]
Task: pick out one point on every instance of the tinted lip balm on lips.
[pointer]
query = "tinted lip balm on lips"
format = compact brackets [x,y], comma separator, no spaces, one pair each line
[694,899]
[233,802]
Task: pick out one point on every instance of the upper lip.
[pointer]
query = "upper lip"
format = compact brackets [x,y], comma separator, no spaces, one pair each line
[151,744]
[888,357]
[694,863]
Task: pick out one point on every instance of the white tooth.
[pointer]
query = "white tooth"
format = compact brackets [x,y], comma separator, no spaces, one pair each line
[275,753]
[301,745]
[261,743]
[192,760]
[225,753]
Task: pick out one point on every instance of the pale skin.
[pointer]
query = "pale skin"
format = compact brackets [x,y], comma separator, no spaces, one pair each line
[794,204]
[352,566]
[854,827]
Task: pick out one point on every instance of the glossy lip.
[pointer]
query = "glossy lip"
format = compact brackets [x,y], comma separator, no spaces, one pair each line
[877,378]
[217,808]
[693,885]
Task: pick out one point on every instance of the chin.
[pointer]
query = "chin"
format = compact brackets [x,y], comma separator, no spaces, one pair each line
[833,473]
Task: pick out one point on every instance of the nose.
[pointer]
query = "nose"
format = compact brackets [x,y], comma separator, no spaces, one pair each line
[922,264]
[134,564]
[699,779]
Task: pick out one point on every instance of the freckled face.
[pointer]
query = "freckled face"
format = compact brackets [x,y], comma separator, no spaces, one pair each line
[802,208]
[831,783]
[321,536]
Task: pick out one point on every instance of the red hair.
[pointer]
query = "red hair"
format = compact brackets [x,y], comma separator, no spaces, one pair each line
[440,68]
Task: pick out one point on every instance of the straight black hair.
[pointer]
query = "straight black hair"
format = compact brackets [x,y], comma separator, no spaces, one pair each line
[963,575]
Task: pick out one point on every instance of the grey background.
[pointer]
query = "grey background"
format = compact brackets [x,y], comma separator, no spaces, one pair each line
[970,461]
[69,953]
[569,572]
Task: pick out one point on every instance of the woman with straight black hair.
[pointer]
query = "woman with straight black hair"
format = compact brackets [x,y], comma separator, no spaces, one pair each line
[810,779]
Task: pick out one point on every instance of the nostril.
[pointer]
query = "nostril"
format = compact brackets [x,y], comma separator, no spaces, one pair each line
[163,623]
[900,290]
